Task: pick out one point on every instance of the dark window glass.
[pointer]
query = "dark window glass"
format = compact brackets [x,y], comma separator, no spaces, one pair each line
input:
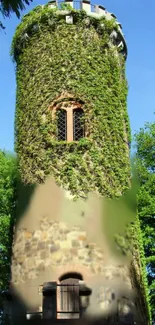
[78,124]
[62,124]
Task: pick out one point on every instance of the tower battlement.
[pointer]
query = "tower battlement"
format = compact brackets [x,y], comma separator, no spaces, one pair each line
[67,9]
[96,11]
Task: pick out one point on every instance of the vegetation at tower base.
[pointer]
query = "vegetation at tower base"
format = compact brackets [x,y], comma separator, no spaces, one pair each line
[129,240]
[8,200]
[145,164]
[54,57]
[139,267]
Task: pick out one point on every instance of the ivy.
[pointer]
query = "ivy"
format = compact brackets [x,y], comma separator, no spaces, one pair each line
[141,275]
[61,57]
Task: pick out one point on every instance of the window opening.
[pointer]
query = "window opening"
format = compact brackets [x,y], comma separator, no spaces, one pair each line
[69,117]
[78,126]
[62,124]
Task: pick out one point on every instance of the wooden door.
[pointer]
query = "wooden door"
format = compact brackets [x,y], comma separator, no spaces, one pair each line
[68,299]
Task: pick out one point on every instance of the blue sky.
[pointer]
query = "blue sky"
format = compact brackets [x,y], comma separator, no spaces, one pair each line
[137,19]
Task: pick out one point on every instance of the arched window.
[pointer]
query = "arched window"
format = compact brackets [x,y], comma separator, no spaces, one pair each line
[78,125]
[61,124]
[70,119]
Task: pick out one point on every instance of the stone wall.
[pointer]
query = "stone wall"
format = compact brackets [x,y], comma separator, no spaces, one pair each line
[54,246]
[55,237]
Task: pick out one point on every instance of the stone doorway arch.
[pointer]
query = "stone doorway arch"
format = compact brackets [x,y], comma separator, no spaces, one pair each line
[68,299]
[72,296]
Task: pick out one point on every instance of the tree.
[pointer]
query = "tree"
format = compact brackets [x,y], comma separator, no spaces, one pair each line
[12,6]
[145,163]
[8,200]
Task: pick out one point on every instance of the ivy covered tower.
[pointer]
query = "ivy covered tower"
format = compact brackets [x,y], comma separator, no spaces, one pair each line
[72,141]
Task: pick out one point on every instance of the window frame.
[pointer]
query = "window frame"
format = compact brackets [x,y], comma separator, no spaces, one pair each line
[81,126]
[65,120]
[69,105]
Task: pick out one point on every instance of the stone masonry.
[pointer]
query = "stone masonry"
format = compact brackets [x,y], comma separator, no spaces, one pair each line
[58,243]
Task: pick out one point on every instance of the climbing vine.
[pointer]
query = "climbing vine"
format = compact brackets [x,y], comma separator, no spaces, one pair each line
[52,58]
[139,267]
[132,245]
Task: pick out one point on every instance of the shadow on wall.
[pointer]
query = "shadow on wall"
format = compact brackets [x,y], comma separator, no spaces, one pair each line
[25,193]
[19,311]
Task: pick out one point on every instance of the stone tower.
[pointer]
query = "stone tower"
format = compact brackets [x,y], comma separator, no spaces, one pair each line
[72,141]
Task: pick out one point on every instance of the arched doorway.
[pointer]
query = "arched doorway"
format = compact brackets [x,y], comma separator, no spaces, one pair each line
[72,296]
[68,299]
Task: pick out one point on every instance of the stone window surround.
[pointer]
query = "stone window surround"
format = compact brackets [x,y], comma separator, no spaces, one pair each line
[68,103]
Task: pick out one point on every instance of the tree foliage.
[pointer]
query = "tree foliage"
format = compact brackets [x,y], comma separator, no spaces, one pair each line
[12,6]
[145,163]
[8,186]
